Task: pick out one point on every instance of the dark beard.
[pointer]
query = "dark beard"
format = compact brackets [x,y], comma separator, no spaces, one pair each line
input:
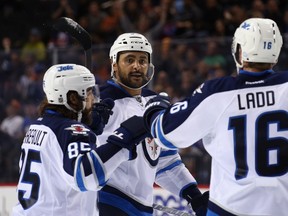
[86,117]
[127,80]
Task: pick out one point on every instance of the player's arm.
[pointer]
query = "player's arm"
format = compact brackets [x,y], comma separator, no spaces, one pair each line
[173,176]
[181,124]
[90,167]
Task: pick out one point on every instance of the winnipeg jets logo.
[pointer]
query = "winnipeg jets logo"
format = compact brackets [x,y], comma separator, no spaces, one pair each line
[152,148]
[64,68]
[246,26]
[78,129]
[198,90]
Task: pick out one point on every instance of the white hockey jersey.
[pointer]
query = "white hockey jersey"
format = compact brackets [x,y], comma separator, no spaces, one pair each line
[132,182]
[61,168]
[243,122]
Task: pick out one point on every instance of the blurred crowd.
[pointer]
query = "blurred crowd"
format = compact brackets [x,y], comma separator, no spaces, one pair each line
[191,42]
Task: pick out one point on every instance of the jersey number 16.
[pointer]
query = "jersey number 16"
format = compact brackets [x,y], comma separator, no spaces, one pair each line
[265,145]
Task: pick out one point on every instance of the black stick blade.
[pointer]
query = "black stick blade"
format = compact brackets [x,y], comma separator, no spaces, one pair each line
[68,25]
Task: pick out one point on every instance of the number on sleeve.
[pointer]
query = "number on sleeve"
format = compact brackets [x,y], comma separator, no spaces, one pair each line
[75,148]
[178,106]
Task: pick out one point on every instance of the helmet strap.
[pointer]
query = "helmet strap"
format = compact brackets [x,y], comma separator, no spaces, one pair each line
[79,113]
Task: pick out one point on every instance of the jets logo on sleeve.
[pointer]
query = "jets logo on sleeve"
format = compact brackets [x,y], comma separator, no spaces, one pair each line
[198,90]
[152,148]
[78,129]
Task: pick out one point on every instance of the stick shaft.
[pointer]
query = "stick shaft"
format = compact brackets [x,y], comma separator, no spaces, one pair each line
[79,33]
[88,59]
[171,211]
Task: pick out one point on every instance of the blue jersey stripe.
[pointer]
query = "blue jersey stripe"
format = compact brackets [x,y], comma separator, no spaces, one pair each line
[79,177]
[168,153]
[120,203]
[160,134]
[171,166]
[98,169]
[215,210]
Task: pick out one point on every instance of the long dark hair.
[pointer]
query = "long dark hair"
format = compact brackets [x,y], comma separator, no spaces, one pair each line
[64,111]
[259,66]
[61,109]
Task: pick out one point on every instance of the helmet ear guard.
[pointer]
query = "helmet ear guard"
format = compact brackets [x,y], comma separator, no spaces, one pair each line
[133,42]
[259,40]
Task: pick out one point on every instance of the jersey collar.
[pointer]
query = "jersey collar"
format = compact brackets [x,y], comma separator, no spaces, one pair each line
[256,73]
[111,82]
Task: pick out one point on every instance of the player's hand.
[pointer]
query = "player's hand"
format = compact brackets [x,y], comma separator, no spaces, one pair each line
[101,113]
[200,204]
[129,134]
[196,199]
[153,106]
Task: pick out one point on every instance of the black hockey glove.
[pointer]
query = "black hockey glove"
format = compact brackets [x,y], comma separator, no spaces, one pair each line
[101,113]
[153,106]
[197,200]
[129,134]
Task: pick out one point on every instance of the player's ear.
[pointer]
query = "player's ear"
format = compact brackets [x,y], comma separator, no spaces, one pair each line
[115,67]
[115,70]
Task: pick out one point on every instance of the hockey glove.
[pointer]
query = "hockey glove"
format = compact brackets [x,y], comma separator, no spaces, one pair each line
[101,113]
[153,106]
[129,134]
[197,200]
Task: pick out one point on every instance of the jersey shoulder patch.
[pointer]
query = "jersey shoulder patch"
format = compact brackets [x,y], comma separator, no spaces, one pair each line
[78,129]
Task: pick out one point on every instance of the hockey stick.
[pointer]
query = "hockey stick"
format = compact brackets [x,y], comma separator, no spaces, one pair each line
[70,26]
[171,211]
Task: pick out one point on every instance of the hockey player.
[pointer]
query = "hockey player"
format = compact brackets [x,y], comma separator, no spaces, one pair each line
[242,121]
[129,191]
[60,166]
